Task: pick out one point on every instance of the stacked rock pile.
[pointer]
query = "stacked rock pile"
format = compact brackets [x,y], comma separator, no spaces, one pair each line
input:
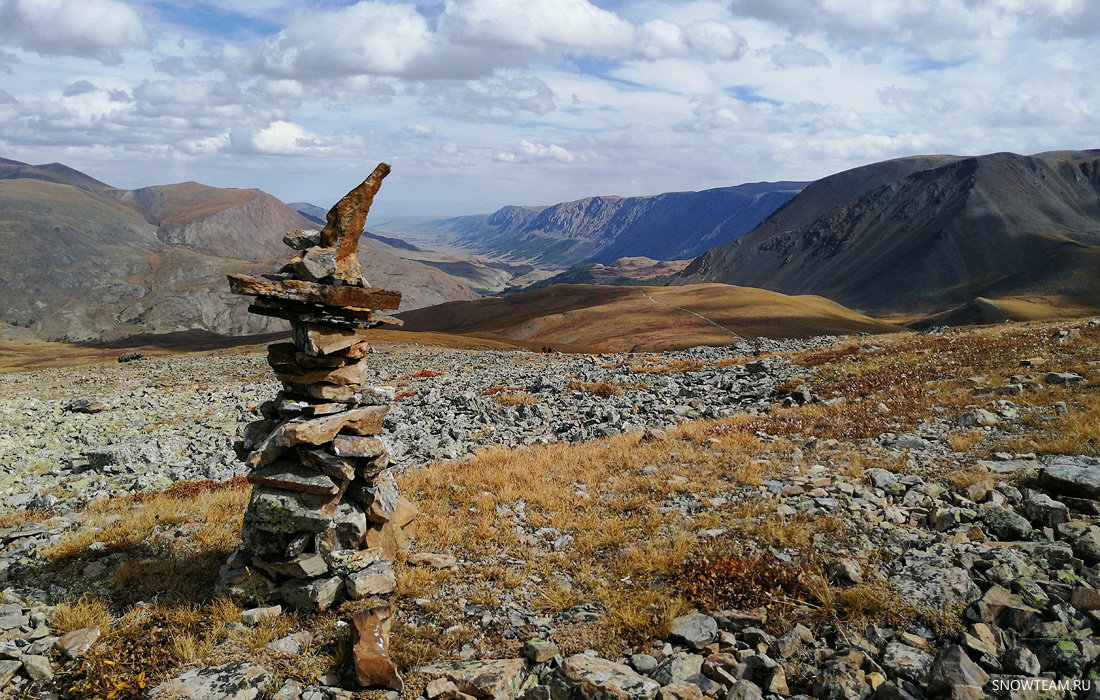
[325,518]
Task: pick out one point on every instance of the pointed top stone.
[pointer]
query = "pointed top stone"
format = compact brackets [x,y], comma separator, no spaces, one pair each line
[345,224]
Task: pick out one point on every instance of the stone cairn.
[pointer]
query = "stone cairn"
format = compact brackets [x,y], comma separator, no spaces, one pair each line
[324,520]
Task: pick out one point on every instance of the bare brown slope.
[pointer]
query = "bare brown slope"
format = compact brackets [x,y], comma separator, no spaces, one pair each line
[946,232]
[596,318]
[227,222]
[50,172]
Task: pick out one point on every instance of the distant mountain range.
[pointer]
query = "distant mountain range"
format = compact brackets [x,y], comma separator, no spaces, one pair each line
[670,226]
[87,261]
[923,239]
[977,238]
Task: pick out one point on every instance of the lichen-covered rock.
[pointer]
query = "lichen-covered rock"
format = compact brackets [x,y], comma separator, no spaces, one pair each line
[1005,523]
[677,667]
[930,581]
[498,679]
[590,676]
[904,661]
[235,681]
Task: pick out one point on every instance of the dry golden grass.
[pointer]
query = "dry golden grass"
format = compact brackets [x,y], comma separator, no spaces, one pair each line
[622,547]
[963,441]
[604,389]
[514,398]
[1077,432]
[211,520]
[967,476]
[859,605]
[85,612]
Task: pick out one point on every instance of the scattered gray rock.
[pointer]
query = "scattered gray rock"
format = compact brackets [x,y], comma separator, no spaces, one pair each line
[696,630]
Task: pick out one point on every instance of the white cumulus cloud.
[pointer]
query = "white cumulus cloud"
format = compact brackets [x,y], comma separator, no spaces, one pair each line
[366,38]
[285,138]
[96,29]
[535,24]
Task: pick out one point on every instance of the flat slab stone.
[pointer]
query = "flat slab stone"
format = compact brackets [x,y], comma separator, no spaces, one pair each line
[365,420]
[595,677]
[305,566]
[77,643]
[497,679]
[292,476]
[254,616]
[328,463]
[1071,475]
[314,293]
[276,510]
[376,579]
[357,446]
[348,374]
[235,681]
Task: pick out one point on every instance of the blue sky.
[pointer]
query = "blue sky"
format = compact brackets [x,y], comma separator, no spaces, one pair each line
[481,103]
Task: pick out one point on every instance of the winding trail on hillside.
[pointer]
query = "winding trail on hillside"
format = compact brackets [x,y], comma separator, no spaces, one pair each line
[693,313]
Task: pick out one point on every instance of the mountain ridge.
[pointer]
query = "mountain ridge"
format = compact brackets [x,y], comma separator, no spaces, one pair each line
[89,262]
[601,229]
[926,233]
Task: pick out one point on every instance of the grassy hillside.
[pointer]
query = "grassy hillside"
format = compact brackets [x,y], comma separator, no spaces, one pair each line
[597,318]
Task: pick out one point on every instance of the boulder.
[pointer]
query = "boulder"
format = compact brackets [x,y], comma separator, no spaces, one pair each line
[1002,608]
[590,676]
[1005,523]
[929,580]
[953,669]
[677,667]
[235,681]
[903,661]
[1044,511]
[695,630]
[1071,475]
[498,679]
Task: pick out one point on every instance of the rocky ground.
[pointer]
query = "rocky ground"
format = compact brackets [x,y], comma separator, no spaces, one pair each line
[115,429]
[907,517]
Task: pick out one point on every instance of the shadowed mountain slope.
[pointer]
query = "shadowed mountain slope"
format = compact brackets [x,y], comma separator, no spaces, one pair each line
[85,261]
[930,233]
